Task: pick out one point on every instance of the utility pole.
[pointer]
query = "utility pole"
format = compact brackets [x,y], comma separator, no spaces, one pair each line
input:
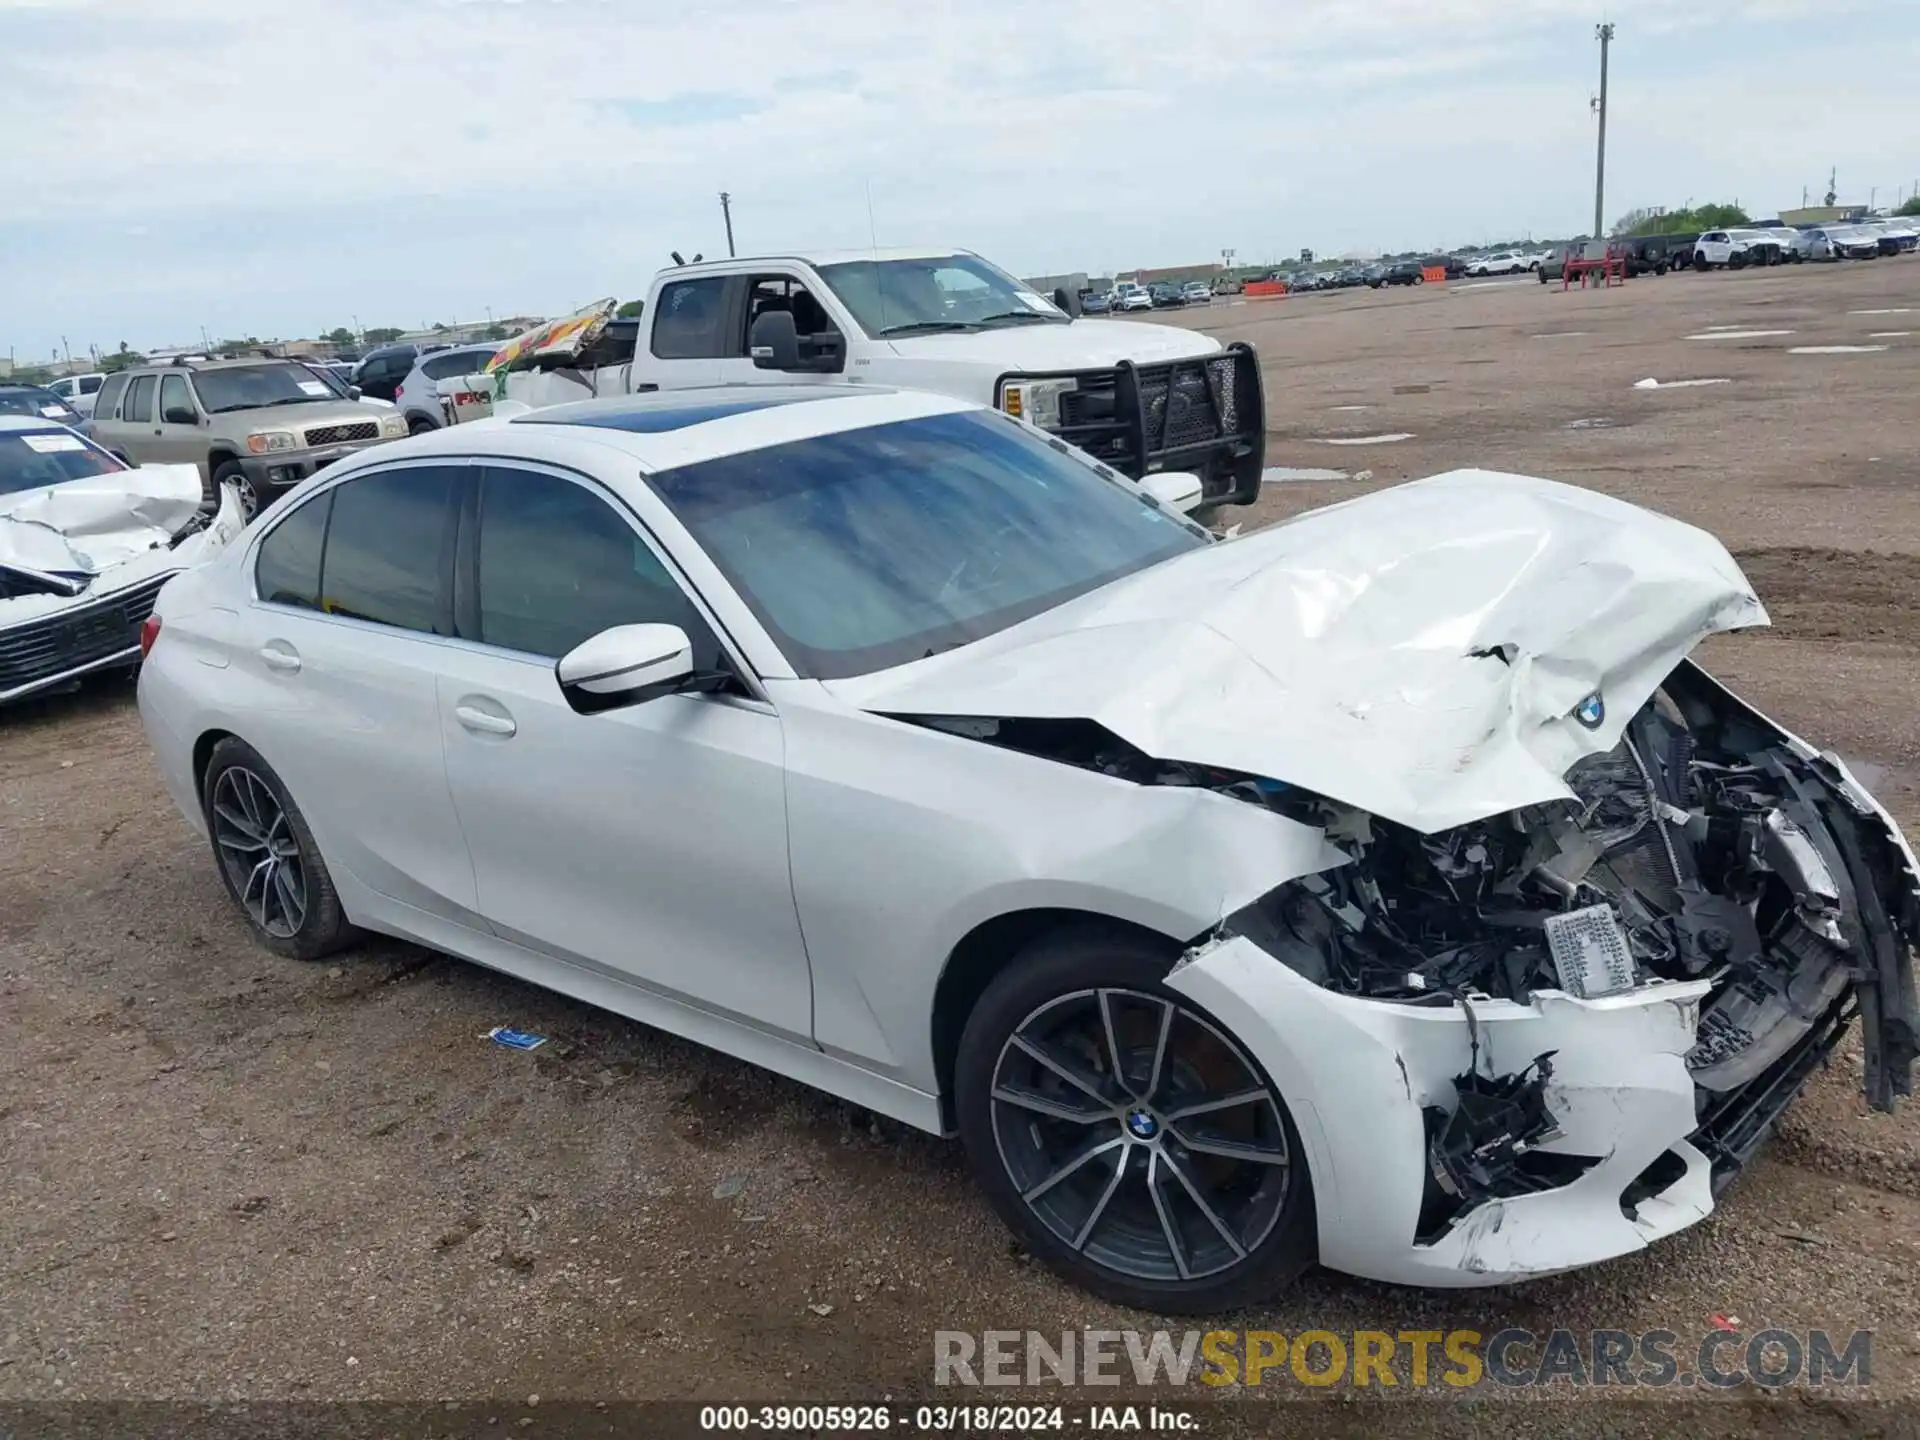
[1604,34]
[726,214]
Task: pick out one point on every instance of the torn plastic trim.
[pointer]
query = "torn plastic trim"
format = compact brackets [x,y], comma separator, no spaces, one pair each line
[1359,1074]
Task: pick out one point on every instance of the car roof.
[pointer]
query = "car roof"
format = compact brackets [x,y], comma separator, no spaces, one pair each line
[666,429]
[16,424]
[823,257]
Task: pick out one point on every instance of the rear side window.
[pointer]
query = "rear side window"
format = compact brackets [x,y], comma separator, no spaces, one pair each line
[458,362]
[288,570]
[557,565]
[139,406]
[689,320]
[109,400]
[386,548]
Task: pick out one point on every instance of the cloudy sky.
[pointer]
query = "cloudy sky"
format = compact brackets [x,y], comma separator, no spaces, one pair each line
[280,167]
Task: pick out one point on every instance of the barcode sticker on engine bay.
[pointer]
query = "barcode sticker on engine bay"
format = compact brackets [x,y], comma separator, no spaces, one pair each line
[1589,952]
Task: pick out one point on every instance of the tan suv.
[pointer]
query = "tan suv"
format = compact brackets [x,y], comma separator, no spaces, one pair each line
[263,425]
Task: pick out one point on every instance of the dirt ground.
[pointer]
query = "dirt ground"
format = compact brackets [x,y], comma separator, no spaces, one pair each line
[226,1176]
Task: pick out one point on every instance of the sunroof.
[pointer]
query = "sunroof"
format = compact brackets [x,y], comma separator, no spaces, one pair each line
[652,416]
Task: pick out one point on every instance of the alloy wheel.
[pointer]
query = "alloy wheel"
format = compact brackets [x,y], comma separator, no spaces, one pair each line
[259,852]
[1140,1134]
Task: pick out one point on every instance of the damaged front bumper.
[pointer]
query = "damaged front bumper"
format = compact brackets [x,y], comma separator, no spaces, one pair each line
[1361,1077]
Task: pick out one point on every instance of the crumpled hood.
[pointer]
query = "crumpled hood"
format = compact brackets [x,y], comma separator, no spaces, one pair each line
[1083,345]
[1417,653]
[85,526]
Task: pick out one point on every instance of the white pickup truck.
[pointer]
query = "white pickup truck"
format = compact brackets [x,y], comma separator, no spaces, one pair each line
[1141,397]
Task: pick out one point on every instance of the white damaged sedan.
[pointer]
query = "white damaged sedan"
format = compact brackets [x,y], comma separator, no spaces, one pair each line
[1385,888]
[86,542]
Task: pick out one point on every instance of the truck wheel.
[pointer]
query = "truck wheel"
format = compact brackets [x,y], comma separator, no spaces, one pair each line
[419,426]
[1699,262]
[1419,280]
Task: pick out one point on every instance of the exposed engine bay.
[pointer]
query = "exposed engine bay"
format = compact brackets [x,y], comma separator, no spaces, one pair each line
[1700,847]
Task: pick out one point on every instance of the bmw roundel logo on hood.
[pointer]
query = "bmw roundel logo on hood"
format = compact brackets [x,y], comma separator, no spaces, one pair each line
[1591,712]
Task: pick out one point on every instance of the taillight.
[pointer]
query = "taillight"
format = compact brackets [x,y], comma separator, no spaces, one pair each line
[398,391]
[149,632]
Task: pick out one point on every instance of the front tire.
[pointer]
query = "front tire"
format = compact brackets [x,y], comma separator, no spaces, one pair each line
[267,856]
[233,473]
[419,426]
[1125,1136]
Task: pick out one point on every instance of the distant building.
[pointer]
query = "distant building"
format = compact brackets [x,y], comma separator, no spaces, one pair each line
[1180,274]
[1822,214]
[1073,284]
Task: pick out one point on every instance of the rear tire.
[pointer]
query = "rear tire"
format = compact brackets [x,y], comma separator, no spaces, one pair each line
[418,426]
[267,856]
[1167,1213]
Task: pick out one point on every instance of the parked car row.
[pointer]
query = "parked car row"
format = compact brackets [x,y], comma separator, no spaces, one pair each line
[1742,246]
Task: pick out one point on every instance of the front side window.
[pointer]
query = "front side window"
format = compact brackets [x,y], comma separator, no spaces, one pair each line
[870,548]
[767,293]
[139,406]
[176,405]
[949,292]
[557,565]
[690,319]
[32,459]
[386,549]
[90,384]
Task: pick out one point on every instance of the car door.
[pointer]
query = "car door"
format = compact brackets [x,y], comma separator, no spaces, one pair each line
[178,438]
[353,600]
[775,290]
[648,842]
[136,432]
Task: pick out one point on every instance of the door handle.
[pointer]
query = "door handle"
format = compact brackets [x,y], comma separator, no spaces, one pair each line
[278,655]
[482,723]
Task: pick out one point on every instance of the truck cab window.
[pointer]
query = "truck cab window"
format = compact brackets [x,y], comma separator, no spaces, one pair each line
[689,319]
[768,293]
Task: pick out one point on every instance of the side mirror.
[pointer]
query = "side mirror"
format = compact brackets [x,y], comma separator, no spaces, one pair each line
[625,665]
[1068,301]
[353,392]
[1176,489]
[180,415]
[775,344]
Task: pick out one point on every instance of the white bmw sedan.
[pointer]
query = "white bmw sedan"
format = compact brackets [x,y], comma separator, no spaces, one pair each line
[1385,888]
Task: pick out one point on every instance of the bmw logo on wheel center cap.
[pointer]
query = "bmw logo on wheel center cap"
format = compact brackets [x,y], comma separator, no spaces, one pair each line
[1141,1125]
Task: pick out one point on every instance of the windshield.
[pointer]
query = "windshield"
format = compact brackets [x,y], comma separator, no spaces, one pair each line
[948,292]
[36,403]
[252,387]
[33,459]
[868,548]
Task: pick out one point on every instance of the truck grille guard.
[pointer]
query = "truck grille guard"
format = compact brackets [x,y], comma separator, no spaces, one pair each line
[1206,414]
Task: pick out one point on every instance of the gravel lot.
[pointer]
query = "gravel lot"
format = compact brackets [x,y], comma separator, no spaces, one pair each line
[227,1176]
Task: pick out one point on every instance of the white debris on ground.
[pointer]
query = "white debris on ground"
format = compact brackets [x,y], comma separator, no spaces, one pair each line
[1835,349]
[1394,438]
[1652,384]
[1737,334]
